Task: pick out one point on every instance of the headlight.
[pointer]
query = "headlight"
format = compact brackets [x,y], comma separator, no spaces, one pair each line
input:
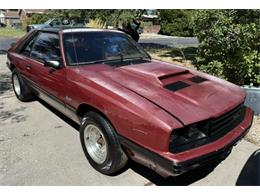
[188,137]
[206,131]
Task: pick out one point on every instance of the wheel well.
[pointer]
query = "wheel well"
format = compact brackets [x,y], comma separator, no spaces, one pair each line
[12,67]
[84,108]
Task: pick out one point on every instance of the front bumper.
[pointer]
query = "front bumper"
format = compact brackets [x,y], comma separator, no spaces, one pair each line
[207,159]
[168,164]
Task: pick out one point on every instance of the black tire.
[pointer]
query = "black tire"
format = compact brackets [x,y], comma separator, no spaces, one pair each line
[116,157]
[25,94]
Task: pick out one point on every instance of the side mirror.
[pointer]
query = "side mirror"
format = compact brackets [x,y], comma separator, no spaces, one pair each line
[53,64]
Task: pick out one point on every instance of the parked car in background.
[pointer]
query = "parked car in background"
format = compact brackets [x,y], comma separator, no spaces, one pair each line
[56,23]
[164,116]
[2,25]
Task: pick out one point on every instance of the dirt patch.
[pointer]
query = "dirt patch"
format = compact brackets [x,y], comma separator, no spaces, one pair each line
[180,56]
[14,115]
[5,83]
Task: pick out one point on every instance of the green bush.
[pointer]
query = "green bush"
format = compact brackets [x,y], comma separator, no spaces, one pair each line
[229,44]
[39,18]
[176,22]
[214,68]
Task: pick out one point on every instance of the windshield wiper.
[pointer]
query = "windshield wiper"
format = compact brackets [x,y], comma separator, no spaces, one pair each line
[137,58]
[122,60]
[95,62]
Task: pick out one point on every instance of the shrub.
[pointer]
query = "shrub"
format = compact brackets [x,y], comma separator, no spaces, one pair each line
[214,68]
[229,44]
[176,22]
[39,18]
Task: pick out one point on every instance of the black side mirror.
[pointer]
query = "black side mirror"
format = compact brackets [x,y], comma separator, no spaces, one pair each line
[53,64]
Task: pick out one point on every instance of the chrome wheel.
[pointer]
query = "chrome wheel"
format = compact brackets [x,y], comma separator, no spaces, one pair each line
[95,143]
[16,83]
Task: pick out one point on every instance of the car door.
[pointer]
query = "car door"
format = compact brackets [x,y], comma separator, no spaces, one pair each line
[24,61]
[49,81]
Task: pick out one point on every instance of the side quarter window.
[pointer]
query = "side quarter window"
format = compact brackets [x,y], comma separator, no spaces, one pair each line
[27,50]
[46,48]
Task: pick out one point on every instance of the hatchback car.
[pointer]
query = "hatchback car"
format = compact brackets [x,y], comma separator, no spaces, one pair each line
[164,116]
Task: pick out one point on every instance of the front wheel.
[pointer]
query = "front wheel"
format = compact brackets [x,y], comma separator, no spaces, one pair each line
[100,144]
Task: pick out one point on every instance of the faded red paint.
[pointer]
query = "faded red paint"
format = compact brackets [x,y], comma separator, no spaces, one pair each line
[122,95]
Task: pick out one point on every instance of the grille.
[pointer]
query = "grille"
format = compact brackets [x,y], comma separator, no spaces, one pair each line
[227,121]
[214,129]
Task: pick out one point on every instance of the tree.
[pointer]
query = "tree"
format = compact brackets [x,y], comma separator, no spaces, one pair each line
[106,17]
[123,19]
[176,22]
[76,14]
[229,44]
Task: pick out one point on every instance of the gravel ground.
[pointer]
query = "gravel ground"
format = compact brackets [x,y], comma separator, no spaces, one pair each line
[5,43]
[253,135]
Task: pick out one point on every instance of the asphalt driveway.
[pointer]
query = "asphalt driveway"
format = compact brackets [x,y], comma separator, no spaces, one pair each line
[5,43]
[168,41]
[40,146]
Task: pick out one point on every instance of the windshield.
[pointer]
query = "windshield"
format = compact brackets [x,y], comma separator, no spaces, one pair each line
[99,47]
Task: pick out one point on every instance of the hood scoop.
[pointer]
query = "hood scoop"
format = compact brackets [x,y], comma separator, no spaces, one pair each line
[180,84]
[176,86]
[197,79]
[167,76]
[156,72]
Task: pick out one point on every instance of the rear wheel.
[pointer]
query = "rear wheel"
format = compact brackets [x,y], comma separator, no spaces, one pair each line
[100,144]
[21,90]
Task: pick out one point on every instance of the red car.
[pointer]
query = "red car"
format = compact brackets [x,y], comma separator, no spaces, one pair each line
[164,116]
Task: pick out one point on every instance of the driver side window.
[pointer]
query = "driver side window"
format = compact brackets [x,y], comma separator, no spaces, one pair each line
[46,48]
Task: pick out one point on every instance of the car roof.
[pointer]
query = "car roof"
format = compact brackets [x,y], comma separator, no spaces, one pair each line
[77,29]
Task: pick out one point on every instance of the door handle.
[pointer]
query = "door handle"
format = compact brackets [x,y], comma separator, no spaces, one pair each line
[28,66]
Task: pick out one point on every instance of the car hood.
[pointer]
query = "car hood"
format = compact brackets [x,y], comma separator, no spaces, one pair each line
[161,83]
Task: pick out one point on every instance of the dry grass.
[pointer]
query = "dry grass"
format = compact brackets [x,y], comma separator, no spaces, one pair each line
[184,56]
[95,24]
[11,32]
[166,55]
